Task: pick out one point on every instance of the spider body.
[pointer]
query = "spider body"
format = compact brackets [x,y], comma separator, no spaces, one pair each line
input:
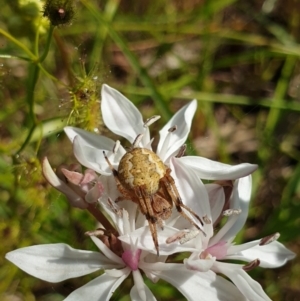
[141,167]
[143,178]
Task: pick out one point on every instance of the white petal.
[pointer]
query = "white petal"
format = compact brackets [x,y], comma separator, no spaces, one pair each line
[139,285]
[145,241]
[74,199]
[88,138]
[201,265]
[251,289]
[216,200]
[272,255]
[150,258]
[99,289]
[134,295]
[240,199]
[192,191]
[107,252]
[131,208]
[121,116]
[213,170]
[206,286]
[182,119]
[122,223]
[57,262]
[90,157]
[236,249]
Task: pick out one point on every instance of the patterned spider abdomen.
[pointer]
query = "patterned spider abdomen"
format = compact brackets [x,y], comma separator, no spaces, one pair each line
[141,167]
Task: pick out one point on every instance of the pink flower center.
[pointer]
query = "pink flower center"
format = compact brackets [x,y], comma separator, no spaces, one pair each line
[132,258]
[218,250]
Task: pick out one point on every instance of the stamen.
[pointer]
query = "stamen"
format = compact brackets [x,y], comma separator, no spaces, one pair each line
[206,219]
[151,120]
[137,140]
[230,212]
[251,265]
[116,146]
[97,232]
[183,236]
[181,151]
[172,129]
[177,236]
[189,236]
[268,239]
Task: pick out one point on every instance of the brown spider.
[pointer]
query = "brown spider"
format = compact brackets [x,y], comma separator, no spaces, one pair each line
[143,178]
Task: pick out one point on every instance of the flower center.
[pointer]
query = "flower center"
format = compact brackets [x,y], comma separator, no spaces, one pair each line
[131,258]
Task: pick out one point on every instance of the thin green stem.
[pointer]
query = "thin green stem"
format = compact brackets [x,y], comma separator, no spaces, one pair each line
[36,40]
[34,70]
[19,44]
[51,76]
[27,140]
[47,47]
[33,77]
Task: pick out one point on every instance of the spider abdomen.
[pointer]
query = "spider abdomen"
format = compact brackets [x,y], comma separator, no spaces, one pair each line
[141,167]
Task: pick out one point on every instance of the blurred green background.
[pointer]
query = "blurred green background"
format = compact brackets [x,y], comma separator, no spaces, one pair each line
[239,59]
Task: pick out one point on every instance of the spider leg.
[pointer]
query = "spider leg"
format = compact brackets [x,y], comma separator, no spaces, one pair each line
[147,210]
[162,207]
[115,173]
[171,188]
[120,187]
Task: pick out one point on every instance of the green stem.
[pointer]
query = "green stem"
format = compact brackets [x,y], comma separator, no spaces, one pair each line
[33,77]
[34,70]
[47,47]
[55,79]
[19,44]
[27,140]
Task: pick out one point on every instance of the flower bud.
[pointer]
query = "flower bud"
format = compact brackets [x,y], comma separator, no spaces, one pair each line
[59,12]
[80,189]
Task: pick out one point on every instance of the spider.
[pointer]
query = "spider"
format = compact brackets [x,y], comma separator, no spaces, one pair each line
[143,178]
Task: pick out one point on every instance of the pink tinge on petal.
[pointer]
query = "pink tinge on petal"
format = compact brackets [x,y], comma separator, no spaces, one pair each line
[218,250]
[94,193]
[132,258]
[89,176]
[72,176]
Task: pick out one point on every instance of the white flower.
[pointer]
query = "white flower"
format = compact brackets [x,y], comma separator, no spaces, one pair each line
[58,262]
[124,119]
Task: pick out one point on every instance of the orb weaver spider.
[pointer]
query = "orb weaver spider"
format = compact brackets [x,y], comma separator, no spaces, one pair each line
[143,178]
